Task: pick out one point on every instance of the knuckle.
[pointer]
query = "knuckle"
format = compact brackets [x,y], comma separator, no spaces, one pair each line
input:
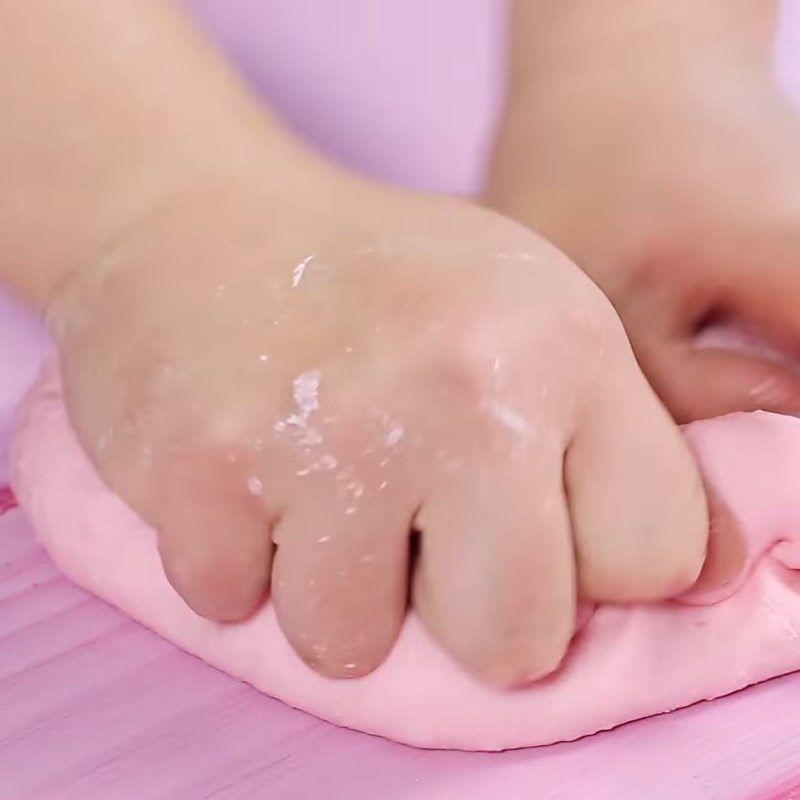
[211,593]
[519,654]
[463,358]
[507,666]
[339,657]
[640,577]
[337,668]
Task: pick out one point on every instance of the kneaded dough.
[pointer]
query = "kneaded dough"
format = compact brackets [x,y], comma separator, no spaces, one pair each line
[626,662]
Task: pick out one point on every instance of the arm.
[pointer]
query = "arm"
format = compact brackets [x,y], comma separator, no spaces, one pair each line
[109,110]
[577,31]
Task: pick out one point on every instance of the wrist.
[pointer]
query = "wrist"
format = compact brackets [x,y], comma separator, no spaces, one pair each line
[63,220]
[584,36]
[222,205]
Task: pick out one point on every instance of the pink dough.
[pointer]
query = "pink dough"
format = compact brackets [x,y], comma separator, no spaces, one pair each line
[626,662]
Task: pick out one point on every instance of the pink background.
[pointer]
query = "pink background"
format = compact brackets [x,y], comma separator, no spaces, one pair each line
[93,706]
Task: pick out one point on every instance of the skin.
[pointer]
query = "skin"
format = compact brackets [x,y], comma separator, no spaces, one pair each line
[676,186]
[288,370]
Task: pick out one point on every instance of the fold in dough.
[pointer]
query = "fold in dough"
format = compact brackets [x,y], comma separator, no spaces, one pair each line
[626,663]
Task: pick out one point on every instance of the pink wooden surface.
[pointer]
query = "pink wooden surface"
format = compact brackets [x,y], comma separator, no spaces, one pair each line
[94,707]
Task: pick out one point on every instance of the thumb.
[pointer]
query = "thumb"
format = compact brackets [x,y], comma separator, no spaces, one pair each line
[699,383]
[764,292]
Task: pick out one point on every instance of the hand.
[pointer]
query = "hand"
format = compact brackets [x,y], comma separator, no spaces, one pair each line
[669,169]
[286,380]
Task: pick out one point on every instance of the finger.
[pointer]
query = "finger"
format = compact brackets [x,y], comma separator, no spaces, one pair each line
[762,284]
[340,578]
[213,538]
[700,383]
[495,580]
[636,500]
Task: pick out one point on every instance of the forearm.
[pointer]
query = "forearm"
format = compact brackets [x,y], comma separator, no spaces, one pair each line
[108,109]
[581,31]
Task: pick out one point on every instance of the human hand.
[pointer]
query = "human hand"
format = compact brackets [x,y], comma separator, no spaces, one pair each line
[286,381]
[663,159]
